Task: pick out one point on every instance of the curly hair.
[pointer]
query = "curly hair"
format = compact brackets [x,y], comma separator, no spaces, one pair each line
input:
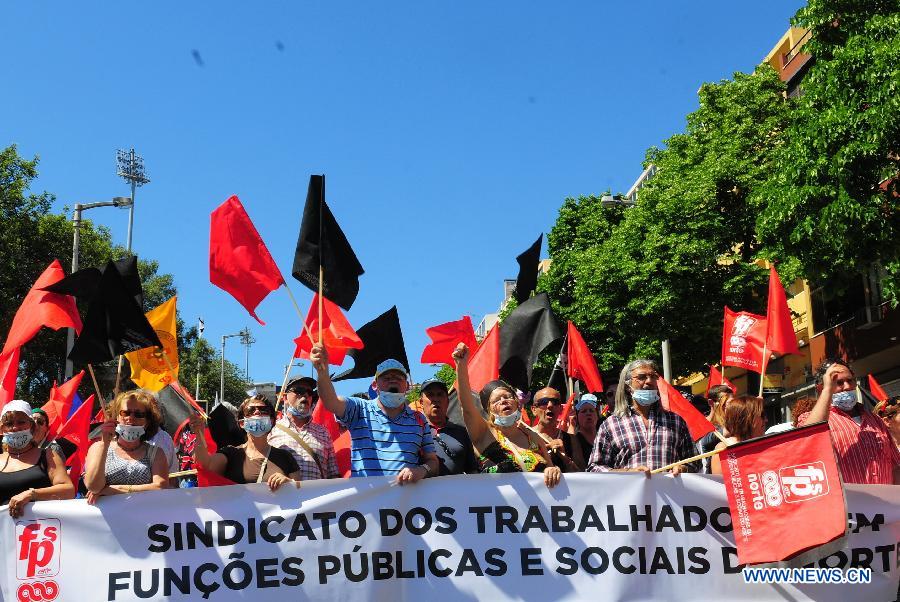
[146,399]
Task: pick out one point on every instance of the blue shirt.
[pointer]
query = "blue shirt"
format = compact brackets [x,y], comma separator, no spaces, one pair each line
[382,445]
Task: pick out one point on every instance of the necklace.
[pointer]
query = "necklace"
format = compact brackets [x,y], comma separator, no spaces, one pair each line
[21,453]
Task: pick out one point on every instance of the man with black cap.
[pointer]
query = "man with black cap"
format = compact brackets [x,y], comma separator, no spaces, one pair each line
[452,443]
[388,438]
[308,442]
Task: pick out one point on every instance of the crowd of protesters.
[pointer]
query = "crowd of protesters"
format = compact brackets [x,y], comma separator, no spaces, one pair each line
[390,438]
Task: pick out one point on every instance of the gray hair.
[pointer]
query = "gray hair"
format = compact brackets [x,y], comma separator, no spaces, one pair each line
[623,390]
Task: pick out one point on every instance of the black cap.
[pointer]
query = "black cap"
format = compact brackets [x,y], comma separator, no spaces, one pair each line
[433,381]
[305,380]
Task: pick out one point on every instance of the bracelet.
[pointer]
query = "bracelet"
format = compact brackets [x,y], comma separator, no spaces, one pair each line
[128,490]
[427,470]
[32,494]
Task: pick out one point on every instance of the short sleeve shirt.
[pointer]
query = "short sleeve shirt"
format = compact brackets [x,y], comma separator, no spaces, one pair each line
[454,450]
[382,445]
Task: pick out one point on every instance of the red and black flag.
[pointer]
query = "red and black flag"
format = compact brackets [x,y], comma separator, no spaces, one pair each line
[114,323]
[528,261]
[524,334]
[382,339]
[322,244]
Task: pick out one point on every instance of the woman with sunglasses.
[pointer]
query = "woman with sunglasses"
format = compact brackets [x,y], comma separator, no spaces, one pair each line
[502,442]
[254,461]
[27,472]
[42,432]
[124,461]
[579,444]
[889,411]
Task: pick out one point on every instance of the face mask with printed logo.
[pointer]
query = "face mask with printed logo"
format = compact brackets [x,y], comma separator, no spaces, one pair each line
[257,425]
[844,400]
[17,439]
[129,433]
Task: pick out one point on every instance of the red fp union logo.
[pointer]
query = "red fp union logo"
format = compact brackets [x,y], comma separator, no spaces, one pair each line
[37,546]
[804,482]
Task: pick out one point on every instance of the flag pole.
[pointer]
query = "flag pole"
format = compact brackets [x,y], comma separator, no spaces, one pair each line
[96,386]
[321,269]
[300,313]
[118,375]
[287,373]
[172,373]
[762,375]
[687,460]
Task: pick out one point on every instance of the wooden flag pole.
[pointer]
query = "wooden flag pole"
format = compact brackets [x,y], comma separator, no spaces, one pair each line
[287,373]
[118,375]
[300,313]
[321,282]
[687,461]
[97,387]
[762,375]
[183,473]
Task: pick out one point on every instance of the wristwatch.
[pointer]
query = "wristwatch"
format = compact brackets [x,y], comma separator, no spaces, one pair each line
[427,470]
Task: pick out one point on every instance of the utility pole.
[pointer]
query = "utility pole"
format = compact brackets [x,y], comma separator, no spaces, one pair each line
[222,370]
[130,166]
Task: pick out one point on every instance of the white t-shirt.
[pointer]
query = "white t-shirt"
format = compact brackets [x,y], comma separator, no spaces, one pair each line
[163,441]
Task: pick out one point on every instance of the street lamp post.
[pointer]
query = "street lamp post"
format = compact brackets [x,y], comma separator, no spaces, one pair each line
[119,201]
[616,200]
[222,370]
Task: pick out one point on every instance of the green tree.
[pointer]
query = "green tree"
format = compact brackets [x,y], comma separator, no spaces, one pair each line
[194,353]
[825,206]
[664,269]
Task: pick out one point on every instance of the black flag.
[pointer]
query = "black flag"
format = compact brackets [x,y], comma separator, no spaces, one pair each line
[175,410]
[528,270]
[224,428]
[382,339]
[114,323]
[524,334]
[322,242]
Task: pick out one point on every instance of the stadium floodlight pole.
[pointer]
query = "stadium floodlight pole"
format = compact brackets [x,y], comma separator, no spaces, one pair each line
[247,340]
[119,201]
[130,166]
[222,372]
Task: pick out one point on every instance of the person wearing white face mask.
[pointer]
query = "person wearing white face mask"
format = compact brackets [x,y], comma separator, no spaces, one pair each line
[862,443]
[641,435]
[309,443]
[502,442]
[27,472]
[124,461]
[254,461]
[387,437]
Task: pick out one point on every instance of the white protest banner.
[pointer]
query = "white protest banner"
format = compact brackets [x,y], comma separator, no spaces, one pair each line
[485,537]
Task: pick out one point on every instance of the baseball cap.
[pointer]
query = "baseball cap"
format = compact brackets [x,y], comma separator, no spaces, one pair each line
[303,380]
[433,381]
[388,365]
[586,399]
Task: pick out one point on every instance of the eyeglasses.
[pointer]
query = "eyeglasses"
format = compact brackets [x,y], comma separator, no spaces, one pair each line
[40,422]
[132,413]
[254,410]
[645,376]
[544,401]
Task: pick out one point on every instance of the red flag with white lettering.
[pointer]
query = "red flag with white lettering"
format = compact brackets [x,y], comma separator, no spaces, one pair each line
[785,494]
[743,340]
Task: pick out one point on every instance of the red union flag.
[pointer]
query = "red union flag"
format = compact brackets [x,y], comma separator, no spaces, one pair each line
[778,482]
[743,339]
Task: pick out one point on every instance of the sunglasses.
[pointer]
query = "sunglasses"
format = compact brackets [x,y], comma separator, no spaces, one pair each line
[132,413]
[257,411]
[544,401]
[40,422]
[302,391]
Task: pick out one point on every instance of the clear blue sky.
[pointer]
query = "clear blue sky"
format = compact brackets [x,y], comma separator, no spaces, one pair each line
[450,132]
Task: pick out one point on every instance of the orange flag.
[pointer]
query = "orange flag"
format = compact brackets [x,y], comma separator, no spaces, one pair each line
[445,338]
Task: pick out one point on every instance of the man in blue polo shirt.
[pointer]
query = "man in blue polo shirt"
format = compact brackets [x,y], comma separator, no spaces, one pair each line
[388,438]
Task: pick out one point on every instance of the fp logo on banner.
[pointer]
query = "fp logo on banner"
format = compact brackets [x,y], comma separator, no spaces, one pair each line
[37,544]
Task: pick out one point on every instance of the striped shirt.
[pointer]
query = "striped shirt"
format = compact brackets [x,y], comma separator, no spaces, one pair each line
[382,445]
[628,443]
[318,440]
[865,452]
